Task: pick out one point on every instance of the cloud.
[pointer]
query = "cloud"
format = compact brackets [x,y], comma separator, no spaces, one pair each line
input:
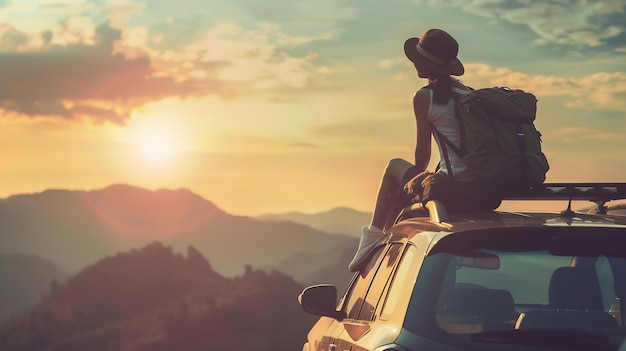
[327,11]
[78,79]
[261,58]
[564,22]
[65,110]
[572,22]
[74,67]
[176,33]
[584,135]
[275,10]
[600,91]
[11,38]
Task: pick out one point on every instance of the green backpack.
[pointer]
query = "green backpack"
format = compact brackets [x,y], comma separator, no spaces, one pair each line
[499,141]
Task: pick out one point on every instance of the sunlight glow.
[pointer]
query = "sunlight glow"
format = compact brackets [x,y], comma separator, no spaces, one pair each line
[157,148]
[157,137]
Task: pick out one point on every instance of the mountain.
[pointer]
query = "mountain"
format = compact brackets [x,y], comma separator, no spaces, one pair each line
[340,220]
[153,298]
[76,228]
[23,279]
[330,267]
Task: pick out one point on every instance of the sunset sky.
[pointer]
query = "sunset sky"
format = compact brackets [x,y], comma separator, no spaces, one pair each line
[285,105]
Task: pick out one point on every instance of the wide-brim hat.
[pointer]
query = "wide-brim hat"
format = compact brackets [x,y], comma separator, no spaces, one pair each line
[436,51]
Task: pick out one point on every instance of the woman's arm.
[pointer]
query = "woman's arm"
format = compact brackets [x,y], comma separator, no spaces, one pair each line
[421,105]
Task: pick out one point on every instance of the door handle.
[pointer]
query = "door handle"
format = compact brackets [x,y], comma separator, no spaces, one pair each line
[332,347]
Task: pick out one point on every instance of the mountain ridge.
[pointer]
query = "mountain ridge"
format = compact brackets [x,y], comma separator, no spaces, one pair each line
[74,228]
[23,278]
[338,220]
[153,298]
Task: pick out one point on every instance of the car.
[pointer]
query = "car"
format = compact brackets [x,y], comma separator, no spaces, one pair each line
[497,280]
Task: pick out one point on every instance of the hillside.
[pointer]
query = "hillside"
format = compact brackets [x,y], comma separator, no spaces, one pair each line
[330,267]
[23,278]
[76,228]
[339,220]
[156,299]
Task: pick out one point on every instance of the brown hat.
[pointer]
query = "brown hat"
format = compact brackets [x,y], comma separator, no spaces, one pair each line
[436,50]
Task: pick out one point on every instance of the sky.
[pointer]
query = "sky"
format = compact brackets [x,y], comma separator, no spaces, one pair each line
[285,105]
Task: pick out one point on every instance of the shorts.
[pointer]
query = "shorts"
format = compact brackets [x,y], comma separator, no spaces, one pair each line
[410,174]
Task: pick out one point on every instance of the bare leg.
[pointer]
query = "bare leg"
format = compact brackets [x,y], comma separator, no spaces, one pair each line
[398,204]
[385,211]
[389,194]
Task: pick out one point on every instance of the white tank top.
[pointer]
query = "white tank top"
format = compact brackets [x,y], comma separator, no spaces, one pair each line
[443,119]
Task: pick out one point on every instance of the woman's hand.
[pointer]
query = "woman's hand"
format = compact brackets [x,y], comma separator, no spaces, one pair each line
[415,186]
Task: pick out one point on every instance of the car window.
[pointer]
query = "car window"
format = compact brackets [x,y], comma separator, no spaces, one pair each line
[606,280]
[398,282]
[356,292]
[525,275]
[381,278]
[544,278]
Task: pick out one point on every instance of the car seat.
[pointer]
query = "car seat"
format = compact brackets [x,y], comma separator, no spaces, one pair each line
[575,302]
[574,288]
[495,307]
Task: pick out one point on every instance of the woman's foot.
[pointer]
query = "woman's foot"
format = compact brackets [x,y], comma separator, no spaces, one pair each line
[371,237]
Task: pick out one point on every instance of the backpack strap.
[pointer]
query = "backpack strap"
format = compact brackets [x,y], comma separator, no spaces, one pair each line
[521,144]
[445,142]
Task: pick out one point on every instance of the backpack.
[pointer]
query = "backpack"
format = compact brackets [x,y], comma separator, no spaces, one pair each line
[499,142]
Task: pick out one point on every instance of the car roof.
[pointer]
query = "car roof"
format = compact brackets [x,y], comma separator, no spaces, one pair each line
[433,216]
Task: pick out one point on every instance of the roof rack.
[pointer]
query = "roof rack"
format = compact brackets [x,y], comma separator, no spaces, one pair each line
[433,209]
[596,192]
[600,193]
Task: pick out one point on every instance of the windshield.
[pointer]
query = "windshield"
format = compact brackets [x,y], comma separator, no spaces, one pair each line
[510,286]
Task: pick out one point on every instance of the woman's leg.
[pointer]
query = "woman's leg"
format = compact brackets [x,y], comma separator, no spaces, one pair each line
[390,198]
[389,194]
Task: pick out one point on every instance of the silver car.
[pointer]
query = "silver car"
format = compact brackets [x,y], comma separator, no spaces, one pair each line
[486,281]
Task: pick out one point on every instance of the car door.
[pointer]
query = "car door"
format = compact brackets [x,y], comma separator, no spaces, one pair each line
[361,311]
[354,297]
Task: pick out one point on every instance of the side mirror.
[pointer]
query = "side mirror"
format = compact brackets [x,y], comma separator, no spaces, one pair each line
[321,300]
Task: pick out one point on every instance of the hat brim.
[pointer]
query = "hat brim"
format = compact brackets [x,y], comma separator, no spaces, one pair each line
[410,50]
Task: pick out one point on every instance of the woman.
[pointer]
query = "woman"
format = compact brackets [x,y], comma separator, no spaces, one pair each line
[434,56]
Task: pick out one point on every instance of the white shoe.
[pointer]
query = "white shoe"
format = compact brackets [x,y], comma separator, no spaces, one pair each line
[370,239]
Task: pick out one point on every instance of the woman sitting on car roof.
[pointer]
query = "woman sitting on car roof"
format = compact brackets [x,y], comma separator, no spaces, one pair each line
[434,56]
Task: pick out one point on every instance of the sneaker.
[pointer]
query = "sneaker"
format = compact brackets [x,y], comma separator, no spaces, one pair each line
[370,238]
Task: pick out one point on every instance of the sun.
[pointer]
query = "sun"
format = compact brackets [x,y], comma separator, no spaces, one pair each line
[156,142]
[157,147]
[157,137]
